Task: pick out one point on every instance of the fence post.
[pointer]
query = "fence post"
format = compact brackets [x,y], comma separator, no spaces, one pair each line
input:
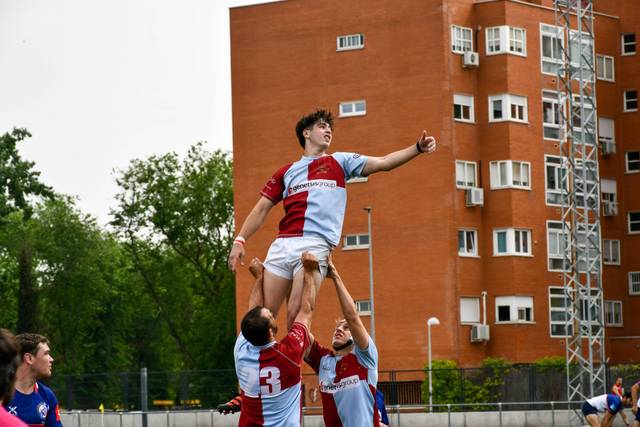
[449,414]
[394,389]
[500,412]
[68,383]
[144,396]
[553,415]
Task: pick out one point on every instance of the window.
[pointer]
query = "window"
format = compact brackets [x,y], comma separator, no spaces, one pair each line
[510,174]
[559,306]
[355,241]
[461,39]
[514,309]
[632,159]
[557,241]
[363,307]
[630,100]
[467,243]
[608,190]
[463,108]
[511,241]
[353,108]
[606,130]
[466,174]
[469,310]
[507,107]
[634,283]
[611,251]
[578,126]
[350,42]
[551,43]
[613,313]
[604,68]
[634,222]
[629,44]
[550,115]
[555,173]
[581,52]
[505,39]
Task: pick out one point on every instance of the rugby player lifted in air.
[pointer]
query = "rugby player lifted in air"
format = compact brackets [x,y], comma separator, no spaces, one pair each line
[314,197]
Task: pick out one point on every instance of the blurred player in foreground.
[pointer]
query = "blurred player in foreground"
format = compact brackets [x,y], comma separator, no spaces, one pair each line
[9,362]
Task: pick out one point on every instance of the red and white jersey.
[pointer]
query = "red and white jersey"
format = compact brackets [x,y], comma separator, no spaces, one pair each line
[270,379]
[314,195]
[347,385]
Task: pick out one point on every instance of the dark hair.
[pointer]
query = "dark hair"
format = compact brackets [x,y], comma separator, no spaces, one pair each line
[29,343]
[255,327]
[627,394]
[311,119]
[8,364]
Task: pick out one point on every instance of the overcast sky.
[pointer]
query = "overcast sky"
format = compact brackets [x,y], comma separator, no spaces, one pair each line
[100,82]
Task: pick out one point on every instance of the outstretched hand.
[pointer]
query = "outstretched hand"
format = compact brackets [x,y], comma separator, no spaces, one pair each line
[236,254]
[309,261]
[332,272]
[427,143]
[256,268]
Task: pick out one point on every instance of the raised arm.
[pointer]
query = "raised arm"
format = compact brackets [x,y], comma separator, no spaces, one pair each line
[308,298]
[358,331]
[426,144]
[256,297]
[251,224]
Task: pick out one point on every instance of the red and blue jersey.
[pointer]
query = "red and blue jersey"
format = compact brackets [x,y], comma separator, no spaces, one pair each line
[314,195]
[270,379]
[347,385]
[36,409]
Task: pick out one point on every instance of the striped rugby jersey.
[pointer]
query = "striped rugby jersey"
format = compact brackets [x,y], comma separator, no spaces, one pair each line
[270,379]
[314,195]
[347,385]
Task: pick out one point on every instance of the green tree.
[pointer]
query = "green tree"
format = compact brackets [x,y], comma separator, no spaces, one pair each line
[176,219]
[20,186]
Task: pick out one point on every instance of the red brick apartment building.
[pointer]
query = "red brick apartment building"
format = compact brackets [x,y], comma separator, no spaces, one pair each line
[388,69]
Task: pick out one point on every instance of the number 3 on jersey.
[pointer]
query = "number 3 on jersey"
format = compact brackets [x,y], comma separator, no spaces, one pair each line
[271,376]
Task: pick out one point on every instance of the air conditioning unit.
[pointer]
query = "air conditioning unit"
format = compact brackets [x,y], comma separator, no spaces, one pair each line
[475,196]
[479,333]
[609,208]
[608,147]
[470,59]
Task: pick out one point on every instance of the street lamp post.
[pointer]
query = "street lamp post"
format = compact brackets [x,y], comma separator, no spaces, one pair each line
[373,316]
[431,322]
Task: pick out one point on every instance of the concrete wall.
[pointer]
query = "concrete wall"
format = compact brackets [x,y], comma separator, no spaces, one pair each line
[213,419]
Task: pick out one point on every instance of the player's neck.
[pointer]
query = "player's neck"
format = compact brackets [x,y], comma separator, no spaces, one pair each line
[25,380]
[313,151]
[344,351]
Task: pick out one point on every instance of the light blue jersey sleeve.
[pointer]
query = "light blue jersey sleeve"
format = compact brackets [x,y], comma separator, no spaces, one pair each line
[369,356]
[352,163]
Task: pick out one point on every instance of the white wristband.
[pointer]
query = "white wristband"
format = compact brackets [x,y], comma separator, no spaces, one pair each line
[239,240]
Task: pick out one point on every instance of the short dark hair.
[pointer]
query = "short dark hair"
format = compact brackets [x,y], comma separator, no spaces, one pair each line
[29,343]
[311,119]
[255,327]
[9,363]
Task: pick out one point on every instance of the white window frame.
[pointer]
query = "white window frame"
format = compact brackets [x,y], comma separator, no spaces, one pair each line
[358,245]
[628,162]
[506,41]
[623,45]
[459,41]
[464,101]
[516,304]
[474,304]
[351,42]
[558,165]
[609,248]
[587,41]
[606,130]
[551,97]
[465,251]
[359,307]
[510,166]
[556,292]
[554,61]
[464,181]
[635,222]
[634,279]
[605,63]
[608,190]
[626,99]
[508,101]
[610,313]
[557,240]
[354,105]
[513,237]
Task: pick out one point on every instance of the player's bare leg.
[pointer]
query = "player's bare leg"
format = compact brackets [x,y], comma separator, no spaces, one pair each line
[293,305]
[275,290]
[593,420]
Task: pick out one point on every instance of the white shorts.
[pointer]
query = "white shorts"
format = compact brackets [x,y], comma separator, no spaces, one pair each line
[283,258]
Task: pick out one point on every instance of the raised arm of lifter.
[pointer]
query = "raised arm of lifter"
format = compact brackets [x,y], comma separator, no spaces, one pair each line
[426,144]
[251,224]
[358,331]
[308,298]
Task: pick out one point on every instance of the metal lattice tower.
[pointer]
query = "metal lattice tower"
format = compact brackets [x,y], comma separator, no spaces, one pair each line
[581,200]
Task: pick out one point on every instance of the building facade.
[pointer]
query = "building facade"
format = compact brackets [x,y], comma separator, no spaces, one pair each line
[475,227]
